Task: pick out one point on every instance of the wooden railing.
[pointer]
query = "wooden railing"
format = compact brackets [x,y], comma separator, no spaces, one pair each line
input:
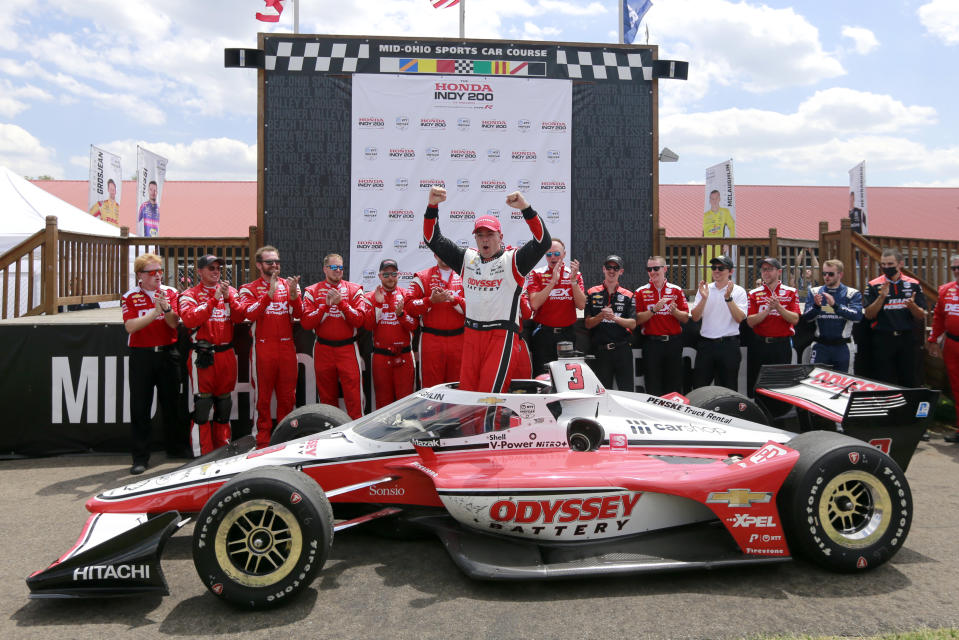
[54,268]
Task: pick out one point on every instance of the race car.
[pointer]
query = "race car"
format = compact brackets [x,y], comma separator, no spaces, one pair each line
[558,478]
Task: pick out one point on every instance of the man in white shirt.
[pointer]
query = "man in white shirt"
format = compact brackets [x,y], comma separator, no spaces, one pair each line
[721,306]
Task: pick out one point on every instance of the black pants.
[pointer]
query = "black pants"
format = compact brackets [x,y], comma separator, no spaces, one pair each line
[717,362]
[543,345]
[894,359]
[761,352]
[615,364]
[663,365]
[148,370]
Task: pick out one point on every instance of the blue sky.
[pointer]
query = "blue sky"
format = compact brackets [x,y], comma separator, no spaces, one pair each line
[794,92]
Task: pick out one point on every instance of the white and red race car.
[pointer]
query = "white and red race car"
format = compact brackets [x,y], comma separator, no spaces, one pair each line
[558,478]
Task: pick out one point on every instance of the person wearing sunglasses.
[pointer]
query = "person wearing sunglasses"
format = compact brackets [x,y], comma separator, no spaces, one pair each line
[722,307]
[271,303]
[945,331]
[336,309]
[610,319]
[835,308]
[895,307]
[394,373]
[493,279]
[773,314]
[661,309]
[436,298]
[555,293]
[209,310]
[150,317]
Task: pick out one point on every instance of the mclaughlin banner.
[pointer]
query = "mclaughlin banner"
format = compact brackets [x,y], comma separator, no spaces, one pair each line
[151,174]
[478,137]
[857,198]
[106,185]
[719,218]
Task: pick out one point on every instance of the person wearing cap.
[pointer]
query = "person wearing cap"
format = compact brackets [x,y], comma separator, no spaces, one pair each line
[555,293]
[773,313]
[209,310]
[436,298]
[835,308]
[271,303]
[336,310]
[945,332]
[150,317]
[610,319]
[721,306]
[895,307]
[493,279]
[394,374]
[661,309]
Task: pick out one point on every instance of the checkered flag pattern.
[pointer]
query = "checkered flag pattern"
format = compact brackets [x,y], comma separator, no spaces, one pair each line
[603,65]
[297,55]
[463,66]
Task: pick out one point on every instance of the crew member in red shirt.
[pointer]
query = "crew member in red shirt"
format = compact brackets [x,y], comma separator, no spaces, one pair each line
[773,313]
[945,331]
[150,317]
[661,309]
[271,303]
[555,293]
[436,297]
[335,308]
[394,373]
[210,309]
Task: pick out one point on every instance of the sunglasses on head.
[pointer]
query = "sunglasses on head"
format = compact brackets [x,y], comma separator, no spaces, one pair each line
[334,267]
[718,267]
[550,254]
[829,273]
[611,267]
[654,268]
[270,262]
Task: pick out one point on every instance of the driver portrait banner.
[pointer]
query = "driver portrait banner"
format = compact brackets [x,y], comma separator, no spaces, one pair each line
[719,215]
[106,185]
[151,174]
[480,138]
[857,198]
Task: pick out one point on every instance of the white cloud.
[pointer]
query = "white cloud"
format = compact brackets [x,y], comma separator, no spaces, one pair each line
[23,154]
[532,31]
[941,19]
[204,159]
[864,40]
[11,97]
[571,9]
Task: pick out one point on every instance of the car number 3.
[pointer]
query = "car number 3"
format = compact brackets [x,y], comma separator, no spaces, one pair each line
[576,377]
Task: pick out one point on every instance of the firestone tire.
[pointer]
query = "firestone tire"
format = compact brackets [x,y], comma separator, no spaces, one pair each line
[845,506]
[727,402]
[262,538]
[306,421]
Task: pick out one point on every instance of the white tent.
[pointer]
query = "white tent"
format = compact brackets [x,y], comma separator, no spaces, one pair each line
[25,206]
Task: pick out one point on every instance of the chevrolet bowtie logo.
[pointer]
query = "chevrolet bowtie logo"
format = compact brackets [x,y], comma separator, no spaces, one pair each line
[491,400]
[739,497]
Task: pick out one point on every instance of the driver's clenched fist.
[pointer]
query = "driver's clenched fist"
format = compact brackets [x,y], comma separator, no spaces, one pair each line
[516,200]
[437,195]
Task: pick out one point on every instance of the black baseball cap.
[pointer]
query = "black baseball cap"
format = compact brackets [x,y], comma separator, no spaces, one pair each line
[723,260]
[389,262]
[614,258]
[209,259]
[772,262]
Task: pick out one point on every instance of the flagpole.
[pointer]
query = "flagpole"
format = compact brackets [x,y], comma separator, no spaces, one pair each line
[622,36]
[462,19]
[296,16]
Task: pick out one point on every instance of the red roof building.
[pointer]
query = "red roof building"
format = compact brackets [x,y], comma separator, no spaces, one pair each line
[227,209]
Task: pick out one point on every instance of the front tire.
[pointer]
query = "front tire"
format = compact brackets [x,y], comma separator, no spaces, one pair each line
[262,538]
[845,506]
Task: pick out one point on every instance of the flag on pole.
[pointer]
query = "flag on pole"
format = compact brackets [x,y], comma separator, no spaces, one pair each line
[276,4]
[633,12]
[444,4]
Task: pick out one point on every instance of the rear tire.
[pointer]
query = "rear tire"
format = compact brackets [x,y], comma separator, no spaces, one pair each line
[727,402]
[845,506]
[308,420]
[262,538]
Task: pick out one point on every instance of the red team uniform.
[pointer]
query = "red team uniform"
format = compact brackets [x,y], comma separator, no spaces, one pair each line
[662,346]
[336,358]
[212,321]
[273,356]
[773,341]
[394,373]
[556,316]
[441,325]
[945,320]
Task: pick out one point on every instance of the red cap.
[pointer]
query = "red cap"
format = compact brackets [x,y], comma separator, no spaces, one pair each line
[487,222]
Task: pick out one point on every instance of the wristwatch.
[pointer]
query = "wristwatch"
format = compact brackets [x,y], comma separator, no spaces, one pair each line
[728,299]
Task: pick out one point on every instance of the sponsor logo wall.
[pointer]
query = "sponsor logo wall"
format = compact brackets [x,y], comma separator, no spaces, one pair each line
[478,137]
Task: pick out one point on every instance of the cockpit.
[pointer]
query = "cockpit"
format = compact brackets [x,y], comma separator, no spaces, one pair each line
[417,417]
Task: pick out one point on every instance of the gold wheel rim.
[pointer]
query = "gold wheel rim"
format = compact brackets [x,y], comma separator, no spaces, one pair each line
[855,509]
[258,543]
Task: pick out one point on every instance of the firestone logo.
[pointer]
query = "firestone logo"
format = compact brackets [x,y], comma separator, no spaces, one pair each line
[524,156]
[552,186]
[370,153]
[429,183]
[493,125]
[463,185]
[370,123]
[433,124]
[432,153]
[402,153]
[369,184]
[462,215]
[401,214]
[369,245]
[553,125]
[369,214]
[402,184]
[463,154]
[401,123]
[492,186]
[463,124]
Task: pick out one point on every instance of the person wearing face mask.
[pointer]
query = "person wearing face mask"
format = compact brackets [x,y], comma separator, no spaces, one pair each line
[895,307]
[835,308]
[493,279]
[661,309]
[944,339]
[555,293]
